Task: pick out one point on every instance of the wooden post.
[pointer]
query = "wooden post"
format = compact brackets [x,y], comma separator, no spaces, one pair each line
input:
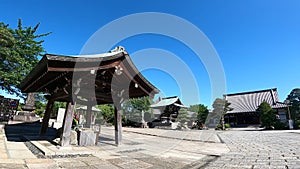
[88,115]
[118,124]
[65,137]
[46,117]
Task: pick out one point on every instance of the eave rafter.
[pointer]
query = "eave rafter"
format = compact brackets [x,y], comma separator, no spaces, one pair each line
[83,69]
[135,81]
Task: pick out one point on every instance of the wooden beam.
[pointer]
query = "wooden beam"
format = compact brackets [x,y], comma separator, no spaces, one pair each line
[118,125]
[41,87]
[60,96]
[47,116]
[65,137]
[83,69]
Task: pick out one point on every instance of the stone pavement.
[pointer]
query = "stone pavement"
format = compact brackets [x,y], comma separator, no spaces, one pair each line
[137,151]
[260,149]
[157,148]
[189,135]
[166,147]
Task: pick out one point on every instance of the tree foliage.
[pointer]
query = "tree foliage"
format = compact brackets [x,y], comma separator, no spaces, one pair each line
[267,115]
[182,118]
[133,108]
[56,106]
[201,111]
[142,103]
[19,52]
[107,113]
[40,108]
[220,108]
[293,99]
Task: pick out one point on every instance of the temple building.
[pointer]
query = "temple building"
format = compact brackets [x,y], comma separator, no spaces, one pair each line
[166,110]
[244,106]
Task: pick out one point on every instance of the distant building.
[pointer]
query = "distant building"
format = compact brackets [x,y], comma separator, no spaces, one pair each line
[245,106]
[166,110]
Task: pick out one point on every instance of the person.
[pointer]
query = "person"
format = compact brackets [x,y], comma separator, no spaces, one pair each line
[75,122]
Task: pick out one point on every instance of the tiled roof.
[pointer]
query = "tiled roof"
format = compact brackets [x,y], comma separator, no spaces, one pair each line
[249,101]
[168,101]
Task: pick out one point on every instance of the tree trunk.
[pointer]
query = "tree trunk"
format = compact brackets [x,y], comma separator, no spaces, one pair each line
[223,123]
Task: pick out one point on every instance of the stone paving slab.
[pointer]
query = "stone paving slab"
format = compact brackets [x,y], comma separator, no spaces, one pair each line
[190,135]
[70,163]
[12,161]
[17,150]
[260,149]
[41,163]
[3,155]
[12,166]
[11,145]
[21,154]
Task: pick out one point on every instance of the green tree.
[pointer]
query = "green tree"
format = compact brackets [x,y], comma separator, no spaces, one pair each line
[293,99]
[267,115]
[134,109]
[7,55]
[182,118]
[141,104]
[19,52]
[201,111]
[40,108]
[56,106]
[220,108]
[107,113]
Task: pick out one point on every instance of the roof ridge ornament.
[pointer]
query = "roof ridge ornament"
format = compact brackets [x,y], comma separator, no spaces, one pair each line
[118,49]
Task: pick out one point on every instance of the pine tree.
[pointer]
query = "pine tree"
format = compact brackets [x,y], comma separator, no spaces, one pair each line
[19,52]
[221,107]
[267,116]
[201,111]
[293,100]
[182,118]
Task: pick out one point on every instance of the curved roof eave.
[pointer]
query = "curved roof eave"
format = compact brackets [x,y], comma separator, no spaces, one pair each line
[43,68]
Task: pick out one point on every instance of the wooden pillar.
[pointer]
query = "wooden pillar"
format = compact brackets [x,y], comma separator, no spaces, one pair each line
[46,117]
[118,124]
[65,137]
[88,115]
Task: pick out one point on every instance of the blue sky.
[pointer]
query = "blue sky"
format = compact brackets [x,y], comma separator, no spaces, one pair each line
[258,42]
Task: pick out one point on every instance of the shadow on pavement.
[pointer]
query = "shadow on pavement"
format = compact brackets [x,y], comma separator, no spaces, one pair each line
[18,132]
[106,140]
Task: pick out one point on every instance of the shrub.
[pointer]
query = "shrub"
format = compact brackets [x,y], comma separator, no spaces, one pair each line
[279,126]
[219,127]
[297,124]
[267,116]
[227,125]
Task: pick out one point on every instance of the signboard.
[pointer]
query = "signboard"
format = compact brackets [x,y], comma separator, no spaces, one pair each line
[7,104]
[14,104]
